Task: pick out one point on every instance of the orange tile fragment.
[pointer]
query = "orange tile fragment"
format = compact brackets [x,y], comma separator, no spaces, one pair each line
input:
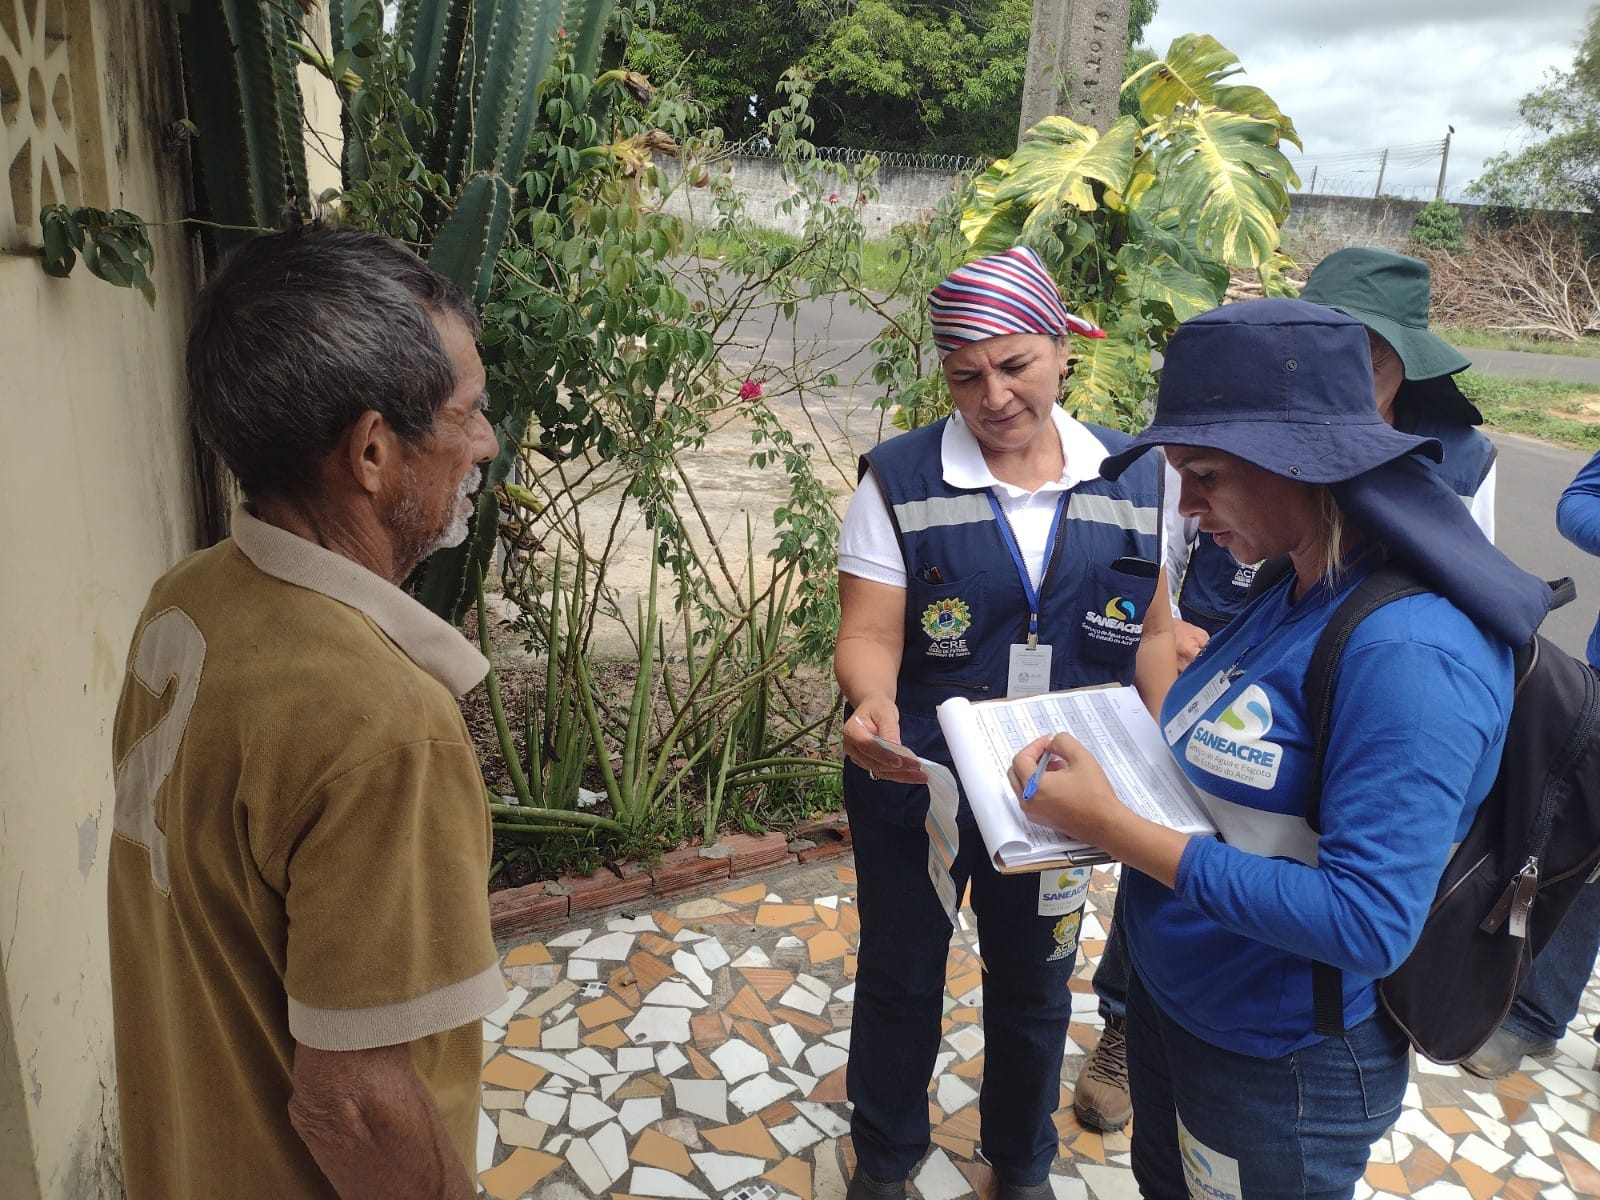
[1522,1189]
[656,1149]
[1583,1178]
[769,982]
[709,1029]
[747,1004]
[748,894]
[828,916]
[603,1012]
[777,916]
[1479,1182]
[523,1034]
[962,1124]
[793,1175]
[1090,1145]
[654,943]
[806,1021]
[1452,1120]
[850,961]
[966,1015]
[1519,1086]
[847,875]
[702,1065]
[830,1088]
[607,1037]
[1423,1167]
[749,1137]
[827,946]
[528,954]
[519,1174]
[509,1071]
[670,925]
[650,971]
[1387,1177]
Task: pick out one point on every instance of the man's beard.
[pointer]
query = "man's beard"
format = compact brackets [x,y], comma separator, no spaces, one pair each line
[419,534]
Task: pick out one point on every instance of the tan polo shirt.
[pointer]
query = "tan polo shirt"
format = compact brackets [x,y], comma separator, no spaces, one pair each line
[301,853]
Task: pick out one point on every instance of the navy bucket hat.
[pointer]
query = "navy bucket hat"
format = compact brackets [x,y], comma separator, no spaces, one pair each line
[1283,384]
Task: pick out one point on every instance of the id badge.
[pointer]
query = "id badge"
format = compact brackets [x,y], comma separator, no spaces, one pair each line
[1030,670]
[1192,711]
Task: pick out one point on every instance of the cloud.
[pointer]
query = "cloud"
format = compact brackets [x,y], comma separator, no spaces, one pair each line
[1368,74]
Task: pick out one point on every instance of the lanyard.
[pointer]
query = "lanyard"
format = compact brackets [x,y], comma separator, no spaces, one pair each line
[1010,539]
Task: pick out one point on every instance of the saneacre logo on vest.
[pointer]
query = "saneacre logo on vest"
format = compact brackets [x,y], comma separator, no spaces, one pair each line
[1115,625]
[945,621]
[1234,746]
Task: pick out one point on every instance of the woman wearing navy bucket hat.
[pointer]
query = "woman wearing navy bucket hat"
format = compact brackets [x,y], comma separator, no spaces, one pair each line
[1266,410]
[982,555]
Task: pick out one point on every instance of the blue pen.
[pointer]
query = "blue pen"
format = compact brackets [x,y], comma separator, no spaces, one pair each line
[1032,786]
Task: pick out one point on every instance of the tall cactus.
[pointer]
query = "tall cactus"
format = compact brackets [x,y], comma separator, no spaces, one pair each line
[245,105]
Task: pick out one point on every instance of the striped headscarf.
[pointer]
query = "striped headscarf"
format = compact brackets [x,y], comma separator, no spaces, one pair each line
[1010,292]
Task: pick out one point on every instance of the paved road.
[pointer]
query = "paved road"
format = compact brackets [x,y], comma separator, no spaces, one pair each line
[1531,477]
[1515,364]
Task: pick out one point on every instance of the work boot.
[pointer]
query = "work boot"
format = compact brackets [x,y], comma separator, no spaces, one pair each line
[1101,1098]
[1502,1054]
[1025,1191]
[865,1187]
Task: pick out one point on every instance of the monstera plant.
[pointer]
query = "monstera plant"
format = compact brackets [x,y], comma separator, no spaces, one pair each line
[1144,223]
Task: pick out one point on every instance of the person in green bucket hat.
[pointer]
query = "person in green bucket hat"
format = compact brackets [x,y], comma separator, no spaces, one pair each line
[1412,369]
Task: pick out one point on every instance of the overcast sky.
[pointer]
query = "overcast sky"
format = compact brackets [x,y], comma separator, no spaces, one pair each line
[1358,75]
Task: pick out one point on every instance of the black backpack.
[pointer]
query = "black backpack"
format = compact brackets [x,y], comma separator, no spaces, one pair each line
[1534,842]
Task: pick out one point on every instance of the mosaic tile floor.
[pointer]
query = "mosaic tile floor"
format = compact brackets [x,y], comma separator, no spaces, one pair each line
[696,1051]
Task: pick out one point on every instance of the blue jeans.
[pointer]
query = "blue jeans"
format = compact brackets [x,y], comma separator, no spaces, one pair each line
[1112,972]
[1294,1128]
[896,1025]
[1549,997]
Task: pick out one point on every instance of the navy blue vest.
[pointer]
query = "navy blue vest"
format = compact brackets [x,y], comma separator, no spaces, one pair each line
[965,605]
[1214,585]
[1468,454]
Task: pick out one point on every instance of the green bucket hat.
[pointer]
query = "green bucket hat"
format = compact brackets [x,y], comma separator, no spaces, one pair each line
[1388,293]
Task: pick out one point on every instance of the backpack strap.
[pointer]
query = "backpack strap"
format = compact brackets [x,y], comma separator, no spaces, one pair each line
[1386,584]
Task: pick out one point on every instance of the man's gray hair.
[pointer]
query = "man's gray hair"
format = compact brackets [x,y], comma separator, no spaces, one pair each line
[300,333]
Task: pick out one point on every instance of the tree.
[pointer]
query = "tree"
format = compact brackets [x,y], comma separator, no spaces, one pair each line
[1562,169]
[925,76]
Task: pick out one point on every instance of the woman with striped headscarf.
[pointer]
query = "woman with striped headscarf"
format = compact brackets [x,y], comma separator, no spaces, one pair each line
[981,556]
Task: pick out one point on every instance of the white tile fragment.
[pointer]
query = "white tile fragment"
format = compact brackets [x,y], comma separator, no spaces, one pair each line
[653,1181]
[608,947]
[638,1112]
[654,1024]
[722,1171]
[488,1140]
[706,1098]
[738,1060]
[688,964]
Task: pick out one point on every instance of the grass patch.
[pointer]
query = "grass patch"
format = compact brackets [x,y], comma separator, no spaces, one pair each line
[879,274]
[1483,339]
[1565,413]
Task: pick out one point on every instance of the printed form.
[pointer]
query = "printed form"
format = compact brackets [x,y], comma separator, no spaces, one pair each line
[1111,722]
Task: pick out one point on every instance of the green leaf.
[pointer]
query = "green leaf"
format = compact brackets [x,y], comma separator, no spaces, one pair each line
[1192,74]
[1060,160]
[1152,277]
[60,233]
[1106,376]
[1224,171]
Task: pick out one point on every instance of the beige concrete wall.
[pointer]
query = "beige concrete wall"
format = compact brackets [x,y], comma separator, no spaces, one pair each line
[95,501]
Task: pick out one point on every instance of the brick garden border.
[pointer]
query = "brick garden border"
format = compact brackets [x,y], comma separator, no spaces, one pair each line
[535,906]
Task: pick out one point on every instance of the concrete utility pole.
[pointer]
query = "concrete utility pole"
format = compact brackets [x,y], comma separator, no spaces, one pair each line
[1075,55]
[1444,162]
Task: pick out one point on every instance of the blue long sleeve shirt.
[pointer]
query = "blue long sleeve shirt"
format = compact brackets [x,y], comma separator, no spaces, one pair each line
[1578,520]
[1420,705]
